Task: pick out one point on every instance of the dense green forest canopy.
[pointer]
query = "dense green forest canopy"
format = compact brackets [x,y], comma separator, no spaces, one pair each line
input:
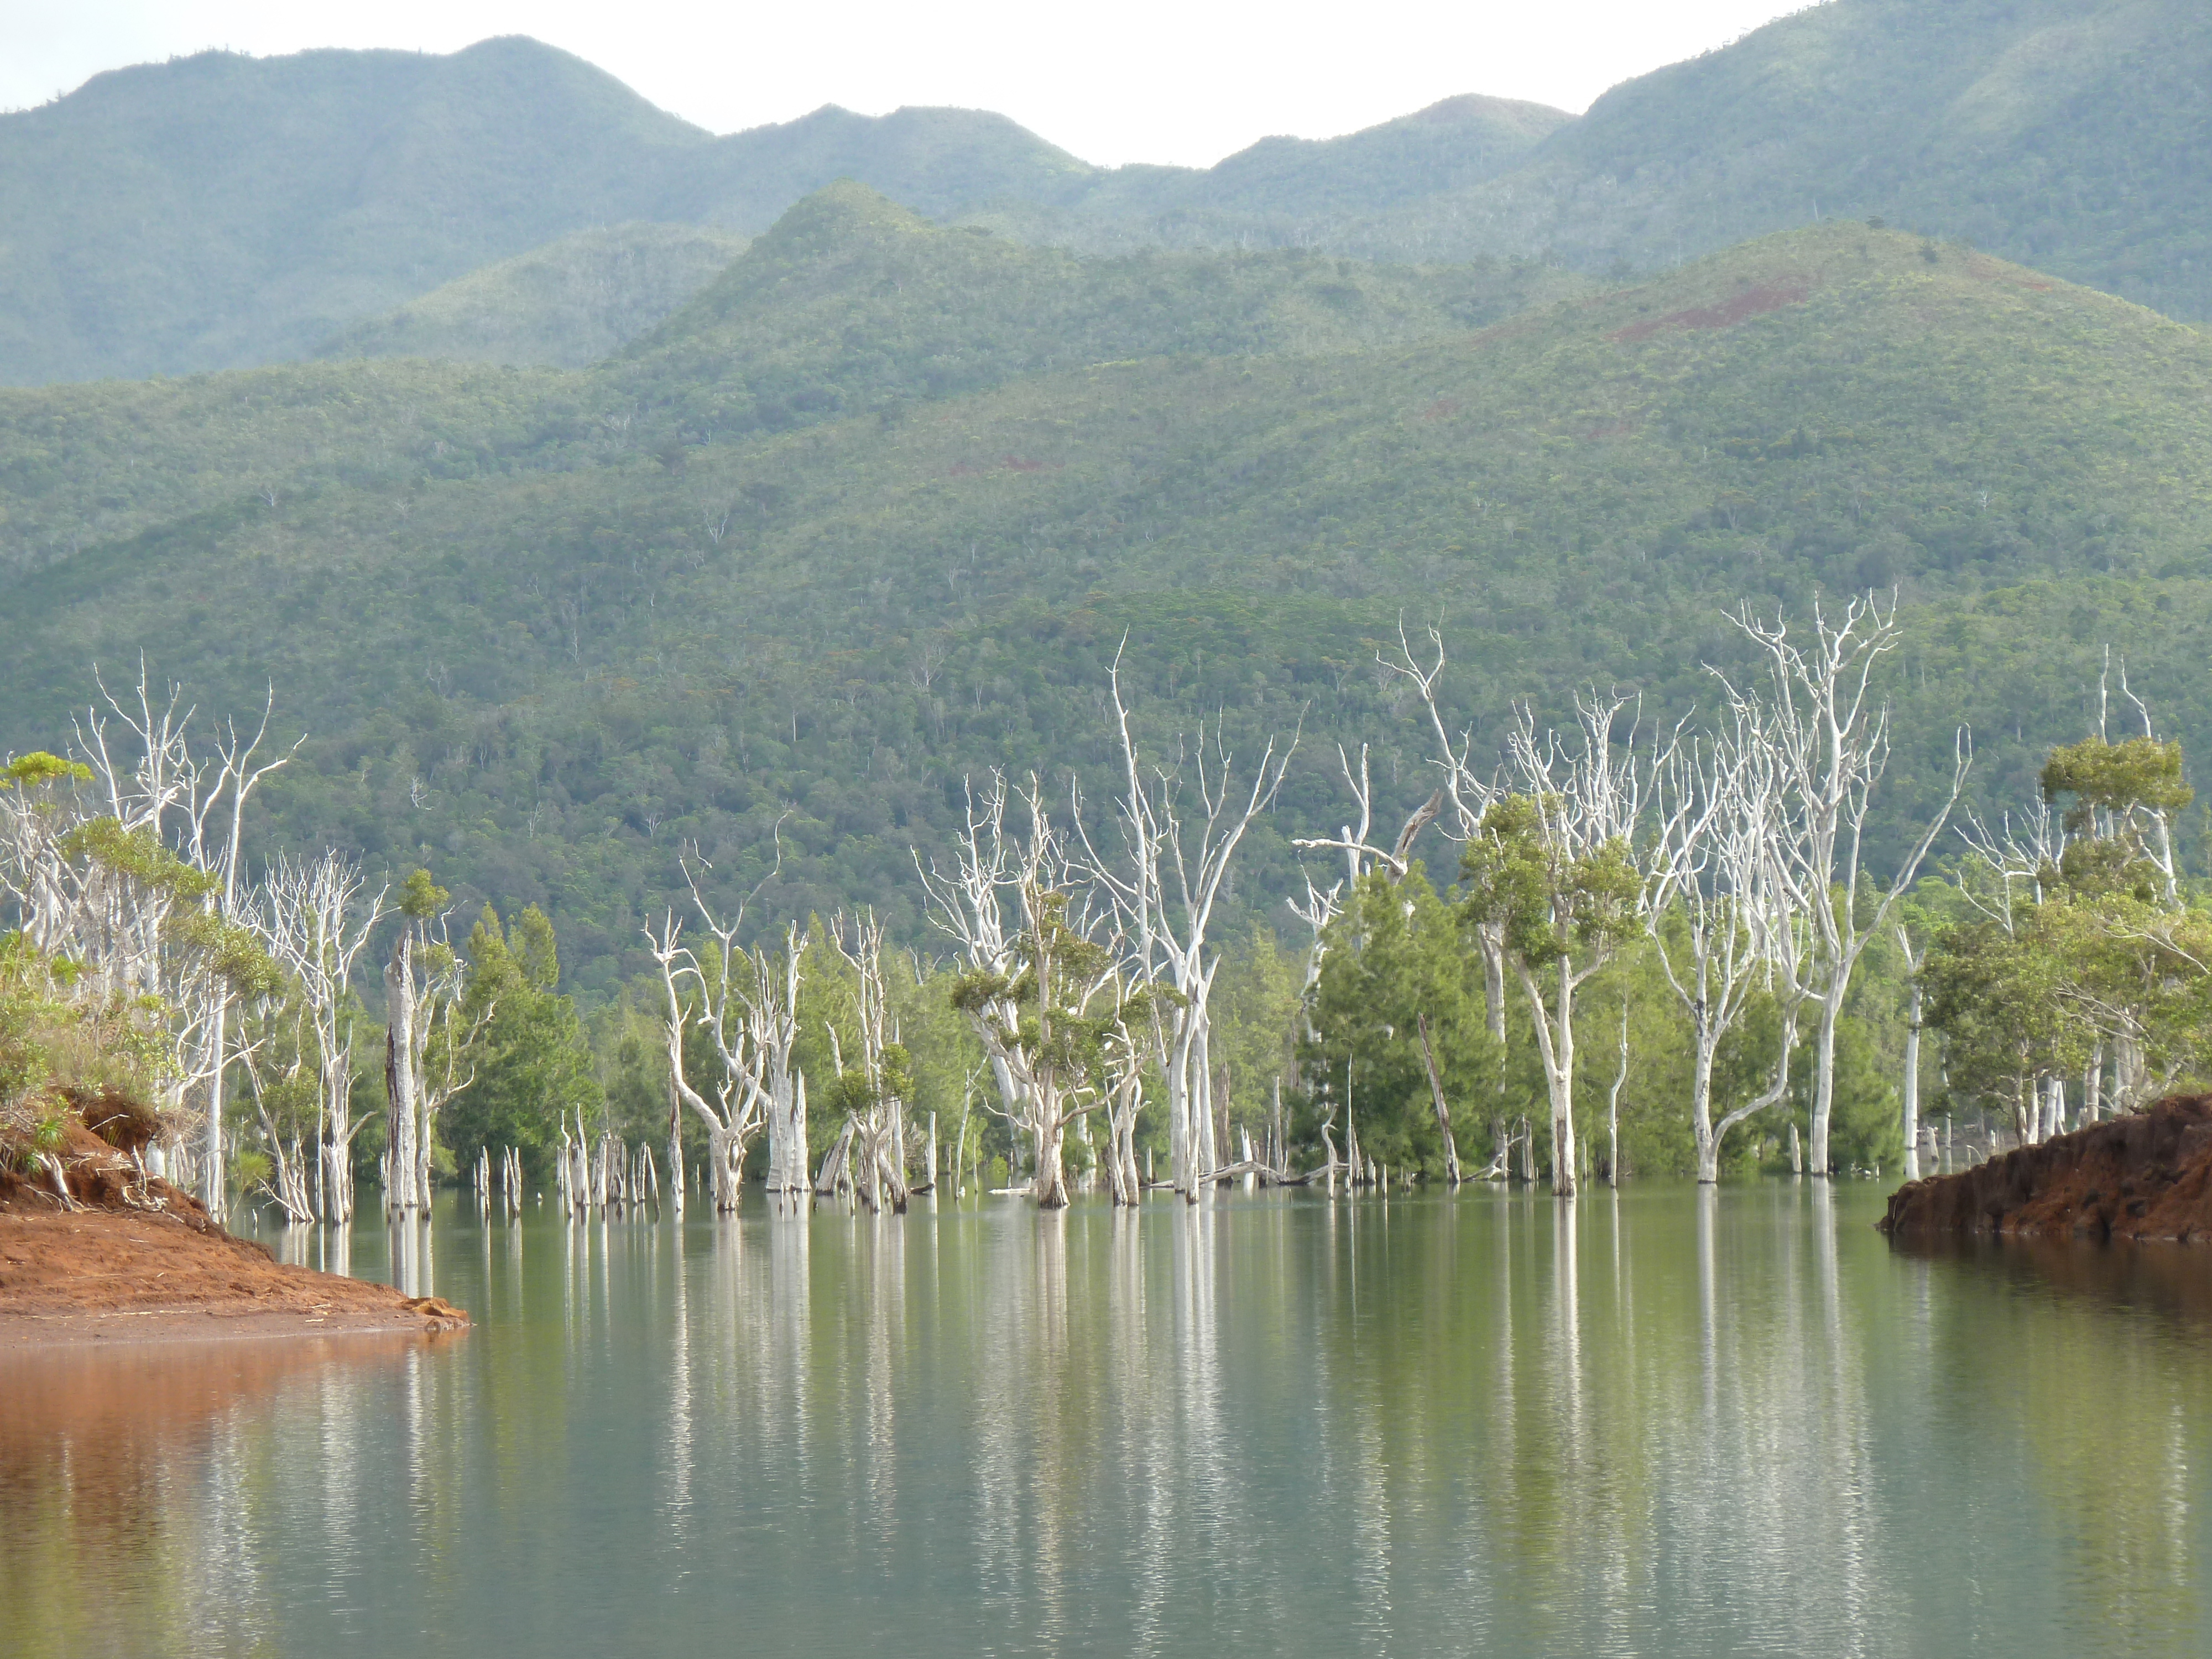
[874,511]
[219,211]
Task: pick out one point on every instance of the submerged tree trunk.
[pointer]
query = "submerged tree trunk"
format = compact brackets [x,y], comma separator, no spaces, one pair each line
[1709,1141]
[401,1084]
[1437,1099]
[1910,1103]
[1824,1075]
[675,1151]
[1049,1182]
[1555,1037]
[1612,1106]
[832,1175]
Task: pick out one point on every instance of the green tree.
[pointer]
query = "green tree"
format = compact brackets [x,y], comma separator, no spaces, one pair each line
[533,1065]
[1255,1017]
[1396,986]
[1551,873]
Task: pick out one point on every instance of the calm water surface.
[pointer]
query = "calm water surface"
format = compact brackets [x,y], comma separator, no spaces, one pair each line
[1668,1423]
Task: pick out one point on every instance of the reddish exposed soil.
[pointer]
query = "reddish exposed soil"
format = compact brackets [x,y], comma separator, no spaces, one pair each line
[2147,1177]
[1736,308]
[133,1257]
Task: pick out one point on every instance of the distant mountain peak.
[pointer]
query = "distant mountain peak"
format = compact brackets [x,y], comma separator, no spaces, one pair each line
[844,209]
[1475,105]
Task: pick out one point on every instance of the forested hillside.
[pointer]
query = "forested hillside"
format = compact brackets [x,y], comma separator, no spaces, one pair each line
[2065,134]
[873,513]
[580,298]
[2062,133]
[219,212]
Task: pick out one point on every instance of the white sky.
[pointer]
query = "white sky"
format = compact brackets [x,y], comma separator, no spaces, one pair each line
[1140,81]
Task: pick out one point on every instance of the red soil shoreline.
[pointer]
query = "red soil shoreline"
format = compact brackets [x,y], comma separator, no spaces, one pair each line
[2146,1177]
[134,1260]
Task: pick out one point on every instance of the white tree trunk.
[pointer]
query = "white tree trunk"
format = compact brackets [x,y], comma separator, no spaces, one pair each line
[1707,1143]
[675,1152]
[1208,1152]
[1912,1093]
[402,1087]
[1555,1040]
[1437,1100]
[211,1180]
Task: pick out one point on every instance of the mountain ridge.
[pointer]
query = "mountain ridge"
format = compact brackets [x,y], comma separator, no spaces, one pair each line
[2058,132]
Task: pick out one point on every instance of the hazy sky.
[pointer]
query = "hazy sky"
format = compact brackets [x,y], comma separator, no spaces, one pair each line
[1186,81]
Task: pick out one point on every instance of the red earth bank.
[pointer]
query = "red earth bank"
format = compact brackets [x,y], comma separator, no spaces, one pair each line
[2146,1176]
[131,1256]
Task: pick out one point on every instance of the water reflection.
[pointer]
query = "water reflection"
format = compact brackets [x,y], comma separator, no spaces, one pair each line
[130,1473]
[1651,1421]
[2087,1334]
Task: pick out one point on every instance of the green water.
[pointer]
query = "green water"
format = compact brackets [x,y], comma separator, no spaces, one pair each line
[1667,1423]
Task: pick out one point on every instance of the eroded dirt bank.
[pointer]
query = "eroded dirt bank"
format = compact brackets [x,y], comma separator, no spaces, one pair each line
[2147,1177]
[128,1257]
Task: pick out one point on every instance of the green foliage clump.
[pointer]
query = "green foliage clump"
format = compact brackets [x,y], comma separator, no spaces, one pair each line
[530,1065]
[1394,959]
[2045,967]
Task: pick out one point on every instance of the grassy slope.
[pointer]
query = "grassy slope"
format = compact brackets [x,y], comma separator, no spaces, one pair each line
[578,298]
[588,643]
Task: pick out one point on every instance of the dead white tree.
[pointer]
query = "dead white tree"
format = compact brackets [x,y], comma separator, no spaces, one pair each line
[1467,792]
[315,919]
[1318,909]
[1552,867]
[1829,736]
[873,1092]
[214,826]
[1909,1099]
[746,1002]
[973,905]
[429,1039]
[1721,910]
[1181,825]
[1037,965]
[1127,1048]
[278,1058]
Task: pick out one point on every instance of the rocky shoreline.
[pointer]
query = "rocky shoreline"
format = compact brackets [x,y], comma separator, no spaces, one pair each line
[2147,1176]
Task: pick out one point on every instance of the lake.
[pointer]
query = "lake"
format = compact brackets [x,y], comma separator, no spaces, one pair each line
[1661,1422]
